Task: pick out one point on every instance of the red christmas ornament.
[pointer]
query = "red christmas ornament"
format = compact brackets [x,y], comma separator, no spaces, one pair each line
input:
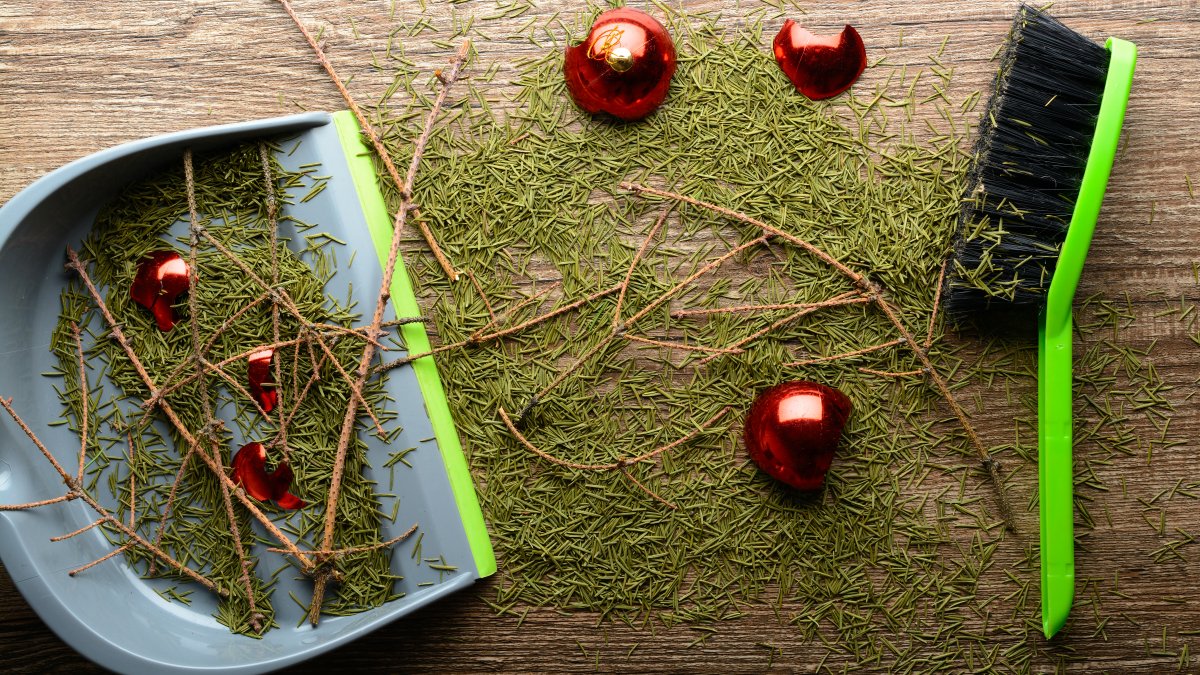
[623,67]
[250,471]
[792,430]
[820,67]
[262,384]
[162,276]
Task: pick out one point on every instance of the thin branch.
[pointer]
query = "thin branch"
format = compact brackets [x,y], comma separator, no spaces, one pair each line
[45,502]
[684,347]
[171,496]
[497,320]
[937,304]
[888,373]
[712,265]
[67,478]
[132,484]
[483,296]
[76,533]
[281,296]
[729,213]
[736,309]
[273,227]
[848,298]
[612,466]
[624,326]
[338,552]
[405,186]
[87,402]
[653,495]
[844,355]
[111,554]
[636,258]
[481,339]
[168,385]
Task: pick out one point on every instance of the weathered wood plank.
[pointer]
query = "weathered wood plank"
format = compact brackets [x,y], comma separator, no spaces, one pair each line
[79,77]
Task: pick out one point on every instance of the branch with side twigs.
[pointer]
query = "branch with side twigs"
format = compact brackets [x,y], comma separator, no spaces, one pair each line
[878,299]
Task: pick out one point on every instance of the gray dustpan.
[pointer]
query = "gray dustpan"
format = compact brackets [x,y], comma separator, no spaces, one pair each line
[109,613]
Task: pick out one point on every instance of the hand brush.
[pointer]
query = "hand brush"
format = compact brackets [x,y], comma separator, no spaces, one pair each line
[1045,150]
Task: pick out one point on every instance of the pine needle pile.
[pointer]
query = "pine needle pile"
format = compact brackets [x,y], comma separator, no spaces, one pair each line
[163,489]
[635,285]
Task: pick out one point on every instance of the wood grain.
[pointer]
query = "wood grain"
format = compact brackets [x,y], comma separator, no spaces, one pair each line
[79,77]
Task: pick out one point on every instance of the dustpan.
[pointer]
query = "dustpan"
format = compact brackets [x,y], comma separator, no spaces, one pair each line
[110,614]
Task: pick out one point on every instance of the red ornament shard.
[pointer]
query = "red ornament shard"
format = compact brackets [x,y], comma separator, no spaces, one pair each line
[820,67]
[623,67]
[250,471]
[262,383]
[162,276]
[792,430]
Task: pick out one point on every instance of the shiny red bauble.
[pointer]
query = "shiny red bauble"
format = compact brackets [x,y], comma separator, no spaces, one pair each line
[792,430]
[623,67]
[261,380]
[162,276]
[820,67]
[250,471]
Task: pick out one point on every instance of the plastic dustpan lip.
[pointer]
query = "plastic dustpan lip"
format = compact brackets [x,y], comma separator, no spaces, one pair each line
[24,201]
[45,597]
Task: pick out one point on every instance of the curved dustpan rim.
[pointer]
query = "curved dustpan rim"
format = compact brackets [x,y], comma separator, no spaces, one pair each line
[111,615]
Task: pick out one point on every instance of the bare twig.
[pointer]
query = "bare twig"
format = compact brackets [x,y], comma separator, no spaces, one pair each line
[282,297]
[76,533]
[86,399]
[738,309]
[849,298]
[624,326]
[888,373]
[273,227]
[132,485]
[844,355]
[483,296]
[338,552]
[612,466]
[937,304]
[481,339]
[653,495]
[405,186]
[637,258]
[45,502]
[111,554]
[684,347]
[72,484]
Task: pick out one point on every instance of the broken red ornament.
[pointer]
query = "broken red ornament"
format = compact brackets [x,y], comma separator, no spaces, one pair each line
[623,67]
[820,67]
[250,471]
[262,384]
[792,430]
[162,276]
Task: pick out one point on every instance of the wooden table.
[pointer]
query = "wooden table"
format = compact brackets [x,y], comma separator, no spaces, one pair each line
[78,77]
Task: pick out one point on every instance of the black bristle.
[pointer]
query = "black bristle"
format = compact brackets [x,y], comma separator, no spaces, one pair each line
[1028,164]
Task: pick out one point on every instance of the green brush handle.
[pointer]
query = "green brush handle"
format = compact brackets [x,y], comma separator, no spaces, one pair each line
[1055,469]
